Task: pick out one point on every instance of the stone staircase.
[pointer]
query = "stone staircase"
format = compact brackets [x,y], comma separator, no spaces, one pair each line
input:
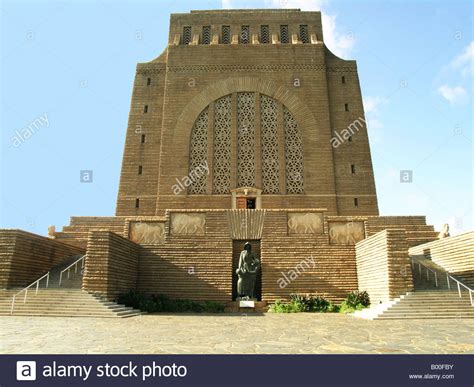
[429,301]
[67,300]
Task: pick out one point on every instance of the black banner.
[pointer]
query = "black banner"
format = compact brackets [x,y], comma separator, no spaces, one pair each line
[236,370]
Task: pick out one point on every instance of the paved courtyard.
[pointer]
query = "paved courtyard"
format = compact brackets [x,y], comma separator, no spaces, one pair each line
[234,334]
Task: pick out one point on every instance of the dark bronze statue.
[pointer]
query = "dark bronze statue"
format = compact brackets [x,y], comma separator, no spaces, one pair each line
[247,272]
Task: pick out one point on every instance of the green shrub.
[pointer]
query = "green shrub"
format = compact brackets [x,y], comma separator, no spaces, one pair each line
[356,298]
[162,303]
[291,307]
[303,303]
[355,301]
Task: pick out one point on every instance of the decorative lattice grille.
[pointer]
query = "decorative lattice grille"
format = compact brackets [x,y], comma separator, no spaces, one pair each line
[186,34]
[294,155]
[284,36]
[244,34]
[206,35]
[246,156]
[304,36]
[269,129]
[222,144]
[246,139]
[198,154]
[225,34]
[264,34]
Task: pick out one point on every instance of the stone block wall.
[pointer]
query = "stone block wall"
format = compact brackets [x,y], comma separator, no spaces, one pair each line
[77,233]
[111,265]
[24,257]
[304,263]
[417,231]
[188,266]
[383,265]
[455,254]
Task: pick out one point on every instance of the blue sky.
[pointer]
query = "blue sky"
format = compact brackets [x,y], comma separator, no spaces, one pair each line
[69,67]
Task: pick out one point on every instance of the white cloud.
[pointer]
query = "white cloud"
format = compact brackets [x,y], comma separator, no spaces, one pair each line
[372,116]
[372,104]
[454,95]
[339,43]
[464,62]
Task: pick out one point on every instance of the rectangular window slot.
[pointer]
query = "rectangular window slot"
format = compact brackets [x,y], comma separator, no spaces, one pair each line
[140,169]
[346,107]
[244,34]
[265,34]
[206,35]
[137,203]
[186,35]
[284,36]
[304,36]
[356,202]
[143,139]
[145,109]
[225,35]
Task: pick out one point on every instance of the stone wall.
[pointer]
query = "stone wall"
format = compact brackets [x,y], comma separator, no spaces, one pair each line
[304,263]
[111,264]
[417,231]
[24,257]
[383,265]
[77,232]
[455,254]
[190,266]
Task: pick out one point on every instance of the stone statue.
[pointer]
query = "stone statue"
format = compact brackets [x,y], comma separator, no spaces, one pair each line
[444,232]
[52,232]
[247,272]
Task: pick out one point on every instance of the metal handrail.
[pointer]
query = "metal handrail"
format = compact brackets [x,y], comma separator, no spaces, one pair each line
[459,283]
[68,269]
[26,290]
[427,270]
[448,277]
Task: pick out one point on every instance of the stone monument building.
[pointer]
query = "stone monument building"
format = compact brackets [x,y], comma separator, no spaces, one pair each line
[246,128]
[246,99]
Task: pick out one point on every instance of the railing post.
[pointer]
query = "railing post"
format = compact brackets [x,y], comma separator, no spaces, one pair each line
[13,304]
[470,295]
[47,279]
[26,293]
[60,278]
[37,287]
[427,275]
[447,279]
[419,268]
[459,290]
[436,279]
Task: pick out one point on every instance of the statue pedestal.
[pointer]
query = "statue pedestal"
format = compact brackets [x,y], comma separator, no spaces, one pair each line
[246,304]
[236,306]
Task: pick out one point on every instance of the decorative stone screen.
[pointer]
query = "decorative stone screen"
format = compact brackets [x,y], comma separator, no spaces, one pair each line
[198,153]
[239,120]
[222,144]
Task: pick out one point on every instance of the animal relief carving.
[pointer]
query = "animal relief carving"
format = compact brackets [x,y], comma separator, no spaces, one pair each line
[188,224]
[305,223]
[147,232]
[348,233]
